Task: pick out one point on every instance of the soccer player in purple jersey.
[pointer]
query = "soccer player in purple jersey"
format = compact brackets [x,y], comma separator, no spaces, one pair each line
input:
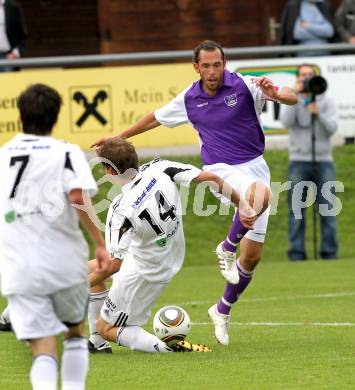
[224,108]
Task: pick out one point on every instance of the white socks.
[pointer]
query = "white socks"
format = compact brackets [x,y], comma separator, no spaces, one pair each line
[75,364]
[137,339]
[96,301]
[44,373]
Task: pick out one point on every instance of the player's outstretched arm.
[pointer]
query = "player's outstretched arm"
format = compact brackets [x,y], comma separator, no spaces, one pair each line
[146,123]
[246,212]
[284,95]
[287,95]
[89,220]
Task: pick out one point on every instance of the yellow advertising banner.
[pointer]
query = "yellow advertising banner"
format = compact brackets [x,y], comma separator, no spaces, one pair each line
[103,101]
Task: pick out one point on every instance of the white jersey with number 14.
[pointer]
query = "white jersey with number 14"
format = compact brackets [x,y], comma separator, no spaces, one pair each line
[144,223]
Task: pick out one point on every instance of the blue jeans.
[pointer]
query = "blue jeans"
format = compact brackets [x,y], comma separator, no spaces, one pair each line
[6,68]
[303,171]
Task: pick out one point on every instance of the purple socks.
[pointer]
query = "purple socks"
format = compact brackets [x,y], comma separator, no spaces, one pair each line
[235,234]
[233,291]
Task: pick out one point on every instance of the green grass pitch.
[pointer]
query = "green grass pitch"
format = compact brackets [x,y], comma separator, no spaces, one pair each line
[293,328]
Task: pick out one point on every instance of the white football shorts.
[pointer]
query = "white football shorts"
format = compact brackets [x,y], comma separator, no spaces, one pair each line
[131,297]
[38,316]
[241,177]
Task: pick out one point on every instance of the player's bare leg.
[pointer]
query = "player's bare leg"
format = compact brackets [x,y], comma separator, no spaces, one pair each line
[250,254]
[98,294]
[258,196]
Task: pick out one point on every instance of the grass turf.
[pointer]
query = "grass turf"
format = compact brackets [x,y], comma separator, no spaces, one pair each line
[202,233]
[277,337]
[298,348]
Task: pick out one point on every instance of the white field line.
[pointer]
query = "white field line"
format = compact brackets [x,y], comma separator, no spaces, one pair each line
[275,324]
[279,298]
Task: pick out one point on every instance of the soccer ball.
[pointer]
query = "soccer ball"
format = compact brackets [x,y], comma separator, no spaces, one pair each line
[171,324]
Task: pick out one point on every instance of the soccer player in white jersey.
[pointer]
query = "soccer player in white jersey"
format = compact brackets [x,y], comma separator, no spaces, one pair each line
[144,230]
[43,252]
[224,108]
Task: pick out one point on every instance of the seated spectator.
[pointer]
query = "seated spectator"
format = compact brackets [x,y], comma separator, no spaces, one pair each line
[306,22]
[345,21]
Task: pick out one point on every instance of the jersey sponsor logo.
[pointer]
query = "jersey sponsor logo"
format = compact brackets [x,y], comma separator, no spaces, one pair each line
[202,105]
[40,147]
[173,232]
[27,147]
[231,100]
[10,216]
[36,211]
[163,241]
[141,198]
[20,148]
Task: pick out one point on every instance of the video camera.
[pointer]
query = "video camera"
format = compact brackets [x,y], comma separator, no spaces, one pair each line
[315,85]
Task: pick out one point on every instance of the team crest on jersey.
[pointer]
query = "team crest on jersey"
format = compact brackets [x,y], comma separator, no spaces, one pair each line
[231,100]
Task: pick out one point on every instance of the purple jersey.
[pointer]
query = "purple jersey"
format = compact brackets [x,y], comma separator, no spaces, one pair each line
[228,124]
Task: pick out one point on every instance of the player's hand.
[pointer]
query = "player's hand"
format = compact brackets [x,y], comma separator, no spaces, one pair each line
[99,143]
[313,108]
[12,56]
[267,86]
[103,259]
[247,215]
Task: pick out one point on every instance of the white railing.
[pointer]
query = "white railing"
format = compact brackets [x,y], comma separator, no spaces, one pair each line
[163,56]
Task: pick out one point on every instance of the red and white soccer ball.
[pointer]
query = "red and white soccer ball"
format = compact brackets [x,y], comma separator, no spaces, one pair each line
[171,324]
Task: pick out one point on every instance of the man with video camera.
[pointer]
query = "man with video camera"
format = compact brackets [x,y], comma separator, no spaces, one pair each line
[311,123]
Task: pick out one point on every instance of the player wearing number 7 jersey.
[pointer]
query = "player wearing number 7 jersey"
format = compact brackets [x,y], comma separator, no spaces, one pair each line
[43,253]
[144,230]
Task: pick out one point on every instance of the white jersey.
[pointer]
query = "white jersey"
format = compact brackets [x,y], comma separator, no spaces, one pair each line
[42,247]
[144,223]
